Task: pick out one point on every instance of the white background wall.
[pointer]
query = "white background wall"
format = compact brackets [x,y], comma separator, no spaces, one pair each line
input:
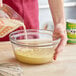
[45,15]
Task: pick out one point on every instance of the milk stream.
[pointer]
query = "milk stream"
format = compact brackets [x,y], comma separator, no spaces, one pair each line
[25,32]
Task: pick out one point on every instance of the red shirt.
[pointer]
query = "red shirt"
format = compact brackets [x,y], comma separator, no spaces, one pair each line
[29,11]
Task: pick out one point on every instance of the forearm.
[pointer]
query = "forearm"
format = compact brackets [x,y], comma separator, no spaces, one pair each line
[57,10]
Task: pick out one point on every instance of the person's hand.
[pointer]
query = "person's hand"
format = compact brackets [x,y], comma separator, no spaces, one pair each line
[60,32]
[1,3]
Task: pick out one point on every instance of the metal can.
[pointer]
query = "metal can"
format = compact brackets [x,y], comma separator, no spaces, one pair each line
[71,30]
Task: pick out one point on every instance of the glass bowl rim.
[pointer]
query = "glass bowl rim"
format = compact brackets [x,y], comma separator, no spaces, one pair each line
[42,45]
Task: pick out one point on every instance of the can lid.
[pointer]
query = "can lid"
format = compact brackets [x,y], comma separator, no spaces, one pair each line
[71,20]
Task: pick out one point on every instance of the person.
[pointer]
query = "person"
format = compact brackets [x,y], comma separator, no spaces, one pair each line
[29,11]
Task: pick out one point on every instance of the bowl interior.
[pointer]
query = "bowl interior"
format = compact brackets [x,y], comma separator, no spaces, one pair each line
[33,46]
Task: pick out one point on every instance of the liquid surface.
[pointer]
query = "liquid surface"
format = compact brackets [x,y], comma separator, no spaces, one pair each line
[35,55]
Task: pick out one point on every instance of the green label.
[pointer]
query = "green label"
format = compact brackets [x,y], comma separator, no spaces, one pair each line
[71,32]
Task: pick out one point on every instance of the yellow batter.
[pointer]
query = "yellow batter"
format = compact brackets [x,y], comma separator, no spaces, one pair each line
[35,55]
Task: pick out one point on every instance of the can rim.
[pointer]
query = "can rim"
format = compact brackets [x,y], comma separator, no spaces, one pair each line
[71,21]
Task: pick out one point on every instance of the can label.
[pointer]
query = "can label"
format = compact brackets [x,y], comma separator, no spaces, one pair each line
[71,30]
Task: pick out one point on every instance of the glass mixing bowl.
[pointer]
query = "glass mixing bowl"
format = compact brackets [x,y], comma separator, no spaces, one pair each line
[33,46]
